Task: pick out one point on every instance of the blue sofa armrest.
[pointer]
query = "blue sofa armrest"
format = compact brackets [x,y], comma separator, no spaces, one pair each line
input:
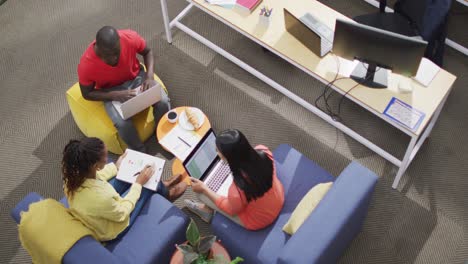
[88,250]
[152,238]
[335,222]
[85,250]
[23,205]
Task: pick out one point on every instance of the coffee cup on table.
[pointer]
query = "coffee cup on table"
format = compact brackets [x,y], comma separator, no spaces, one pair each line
[172,116]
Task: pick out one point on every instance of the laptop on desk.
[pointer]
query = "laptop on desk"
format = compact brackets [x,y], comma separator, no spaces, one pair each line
[204,164]
[315,35]
[138,103]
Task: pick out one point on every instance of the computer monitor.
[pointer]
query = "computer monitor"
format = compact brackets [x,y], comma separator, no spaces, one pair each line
[377,49]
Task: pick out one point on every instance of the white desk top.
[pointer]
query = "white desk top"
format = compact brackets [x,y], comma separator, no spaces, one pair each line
[425,99]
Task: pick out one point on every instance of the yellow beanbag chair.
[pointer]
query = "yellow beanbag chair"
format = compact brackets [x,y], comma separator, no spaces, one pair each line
[92,119]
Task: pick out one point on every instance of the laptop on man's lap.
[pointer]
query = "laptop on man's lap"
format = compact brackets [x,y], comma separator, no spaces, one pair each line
[138,103]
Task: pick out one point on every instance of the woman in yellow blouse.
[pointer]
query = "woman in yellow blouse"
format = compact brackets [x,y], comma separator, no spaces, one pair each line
[107,208]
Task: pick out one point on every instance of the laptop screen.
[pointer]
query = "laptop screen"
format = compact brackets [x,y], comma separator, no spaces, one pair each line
[203,157]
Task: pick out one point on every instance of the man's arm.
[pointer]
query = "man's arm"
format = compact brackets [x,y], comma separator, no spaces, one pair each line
[148,58]
[89,93]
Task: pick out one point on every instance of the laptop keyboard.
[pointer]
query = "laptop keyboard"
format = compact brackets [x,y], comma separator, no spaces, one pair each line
[219,176]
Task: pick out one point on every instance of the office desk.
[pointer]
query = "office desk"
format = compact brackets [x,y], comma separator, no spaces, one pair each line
[429,100]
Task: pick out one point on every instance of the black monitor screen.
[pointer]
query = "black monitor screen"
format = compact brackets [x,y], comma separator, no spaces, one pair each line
[386,49]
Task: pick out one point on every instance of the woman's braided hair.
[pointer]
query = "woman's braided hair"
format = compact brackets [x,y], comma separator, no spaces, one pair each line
[78,159]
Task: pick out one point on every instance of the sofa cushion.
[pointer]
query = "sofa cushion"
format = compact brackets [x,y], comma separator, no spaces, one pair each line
[151,239]
[298,175]
[306,206]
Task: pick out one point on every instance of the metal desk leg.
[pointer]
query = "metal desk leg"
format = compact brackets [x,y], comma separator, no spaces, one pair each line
[405,162]
[429,128]
[416,144]
[166,21]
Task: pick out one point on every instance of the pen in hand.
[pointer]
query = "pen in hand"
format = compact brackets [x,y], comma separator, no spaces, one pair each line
[138,173]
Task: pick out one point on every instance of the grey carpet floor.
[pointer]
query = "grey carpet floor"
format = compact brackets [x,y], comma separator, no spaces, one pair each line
[424,221]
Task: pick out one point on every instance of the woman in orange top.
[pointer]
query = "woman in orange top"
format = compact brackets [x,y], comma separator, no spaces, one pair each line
[256,196]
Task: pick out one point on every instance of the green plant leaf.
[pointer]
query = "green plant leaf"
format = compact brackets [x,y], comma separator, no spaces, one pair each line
[237,260]
[202,260]
[205,244]
[190,257]
[219,259]
[193,235]
[185,249]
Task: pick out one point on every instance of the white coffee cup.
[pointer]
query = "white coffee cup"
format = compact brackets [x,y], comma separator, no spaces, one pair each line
[172,116]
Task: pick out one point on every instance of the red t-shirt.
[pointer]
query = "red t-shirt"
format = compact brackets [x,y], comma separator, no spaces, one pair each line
[258,213]
[93,70]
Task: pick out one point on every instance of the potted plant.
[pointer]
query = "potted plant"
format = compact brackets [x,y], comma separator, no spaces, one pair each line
[201,250]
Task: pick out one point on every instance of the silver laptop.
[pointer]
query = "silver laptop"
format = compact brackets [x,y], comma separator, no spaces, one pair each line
[204,164]
[138,103]
[309,31]
[322,30]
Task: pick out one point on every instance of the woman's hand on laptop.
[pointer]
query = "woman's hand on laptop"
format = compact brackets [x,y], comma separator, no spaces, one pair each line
[125,95]
[197,185]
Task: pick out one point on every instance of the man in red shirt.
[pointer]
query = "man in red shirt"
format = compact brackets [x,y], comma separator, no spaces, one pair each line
[109,70]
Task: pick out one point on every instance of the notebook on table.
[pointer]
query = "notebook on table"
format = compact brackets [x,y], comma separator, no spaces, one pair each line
[248,5]
[180,142]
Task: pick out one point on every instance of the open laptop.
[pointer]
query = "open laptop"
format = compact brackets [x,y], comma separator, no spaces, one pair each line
[315,35]
[138,103]
[204,164]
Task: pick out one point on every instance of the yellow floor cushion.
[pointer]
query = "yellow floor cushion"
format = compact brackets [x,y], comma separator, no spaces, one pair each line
[93,121]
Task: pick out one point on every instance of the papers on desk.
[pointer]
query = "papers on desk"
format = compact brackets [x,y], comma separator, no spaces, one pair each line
[134,162]
[404,114]
[346,66]
[223,3]
[426,72]
[180,142]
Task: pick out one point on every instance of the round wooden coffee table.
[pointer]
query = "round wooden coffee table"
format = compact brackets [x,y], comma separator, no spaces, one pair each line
[164,127]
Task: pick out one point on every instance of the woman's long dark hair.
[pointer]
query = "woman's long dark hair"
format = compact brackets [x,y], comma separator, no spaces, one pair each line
[78,159]
[252,170]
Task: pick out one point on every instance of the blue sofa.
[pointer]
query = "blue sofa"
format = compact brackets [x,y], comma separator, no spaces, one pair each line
[151,238]
[324,235]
